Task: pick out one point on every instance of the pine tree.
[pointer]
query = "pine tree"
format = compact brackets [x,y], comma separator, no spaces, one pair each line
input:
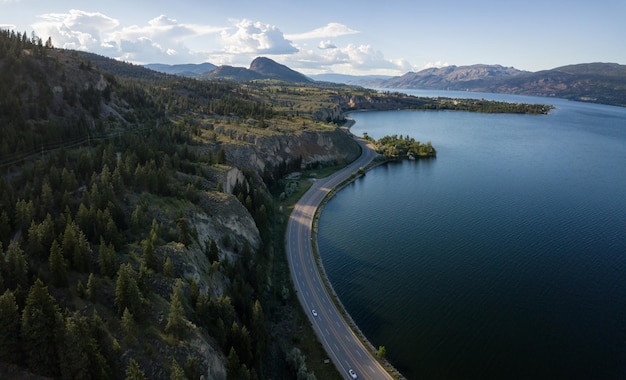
[149,254]
[80,353]
[127,294]
[58,266]
[107,259]
[16,267]
[176,320]
[213,253]
[41,321]
[5,226]
[76,247]
[128,326]
[133,372]
[168,267]
[9,328]
[233,365]
[92,287]
[176,372]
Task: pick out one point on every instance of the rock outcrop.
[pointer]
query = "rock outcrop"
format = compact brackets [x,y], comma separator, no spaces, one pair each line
[311,147]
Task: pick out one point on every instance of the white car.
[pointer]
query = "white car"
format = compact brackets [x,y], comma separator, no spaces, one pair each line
[352,373]
[314,312]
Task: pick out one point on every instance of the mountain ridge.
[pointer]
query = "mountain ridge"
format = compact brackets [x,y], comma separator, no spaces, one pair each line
[191,70]
[596,82]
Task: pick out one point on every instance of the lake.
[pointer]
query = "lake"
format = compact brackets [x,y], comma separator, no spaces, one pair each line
[503,258]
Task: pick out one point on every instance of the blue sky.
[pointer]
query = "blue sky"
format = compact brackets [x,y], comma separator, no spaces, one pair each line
[350,37]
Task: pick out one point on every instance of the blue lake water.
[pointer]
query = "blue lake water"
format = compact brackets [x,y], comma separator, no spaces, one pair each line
[503,258]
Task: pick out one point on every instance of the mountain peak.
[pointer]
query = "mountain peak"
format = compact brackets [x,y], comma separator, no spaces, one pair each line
[274,70]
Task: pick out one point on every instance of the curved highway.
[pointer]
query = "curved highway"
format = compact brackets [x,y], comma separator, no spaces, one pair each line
[342,345]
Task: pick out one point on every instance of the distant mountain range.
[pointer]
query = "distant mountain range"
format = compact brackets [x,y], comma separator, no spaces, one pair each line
[590,82]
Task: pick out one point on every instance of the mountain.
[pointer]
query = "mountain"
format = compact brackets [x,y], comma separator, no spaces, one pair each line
[451,77]
[260,68]
[186,70]
[359,80]
[119,68]
[273,70]
[233,73]
[591,82]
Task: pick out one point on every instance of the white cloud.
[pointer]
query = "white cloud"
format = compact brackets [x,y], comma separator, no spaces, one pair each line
[74,30]
[350,59]
[430,65]
[333,29]
[160,39]
[8,26]
[326,45]
[166,40]
[256,38]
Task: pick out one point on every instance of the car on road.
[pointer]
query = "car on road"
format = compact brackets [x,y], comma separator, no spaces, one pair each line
[314,312]
[352,373]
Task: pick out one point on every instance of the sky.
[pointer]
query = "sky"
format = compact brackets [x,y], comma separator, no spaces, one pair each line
[385,37]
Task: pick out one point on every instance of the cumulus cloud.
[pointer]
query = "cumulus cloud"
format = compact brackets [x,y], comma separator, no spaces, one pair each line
[161,38]
[166,40]
[256,38]
[326,45]
[76,29]
[333,29]
[351,59]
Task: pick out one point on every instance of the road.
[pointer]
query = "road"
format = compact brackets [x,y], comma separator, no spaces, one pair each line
[342,345]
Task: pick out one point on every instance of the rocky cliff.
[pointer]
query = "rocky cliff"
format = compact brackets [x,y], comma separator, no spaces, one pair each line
[311,147]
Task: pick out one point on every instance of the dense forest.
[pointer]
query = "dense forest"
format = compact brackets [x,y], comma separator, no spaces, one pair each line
[102,177]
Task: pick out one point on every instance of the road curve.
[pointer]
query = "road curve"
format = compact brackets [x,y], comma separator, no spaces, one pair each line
[342,345]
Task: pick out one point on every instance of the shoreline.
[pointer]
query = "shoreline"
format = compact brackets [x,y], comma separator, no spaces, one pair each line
[318,258]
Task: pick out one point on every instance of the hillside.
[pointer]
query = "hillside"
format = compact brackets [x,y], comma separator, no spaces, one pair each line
[452,77]
[186,70]
[136,220]
[592,82]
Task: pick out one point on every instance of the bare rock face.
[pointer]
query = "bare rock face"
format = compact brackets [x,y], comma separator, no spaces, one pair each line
[311,147]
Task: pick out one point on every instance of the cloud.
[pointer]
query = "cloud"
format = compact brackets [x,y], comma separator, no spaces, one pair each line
[8,26]
[74,30]
[256,38]
[160,39]
[333,29]
[350,59]
[436,64]
[166,40]
[326,45]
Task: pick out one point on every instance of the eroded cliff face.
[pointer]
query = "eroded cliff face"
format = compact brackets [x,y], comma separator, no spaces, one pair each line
[312,147]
